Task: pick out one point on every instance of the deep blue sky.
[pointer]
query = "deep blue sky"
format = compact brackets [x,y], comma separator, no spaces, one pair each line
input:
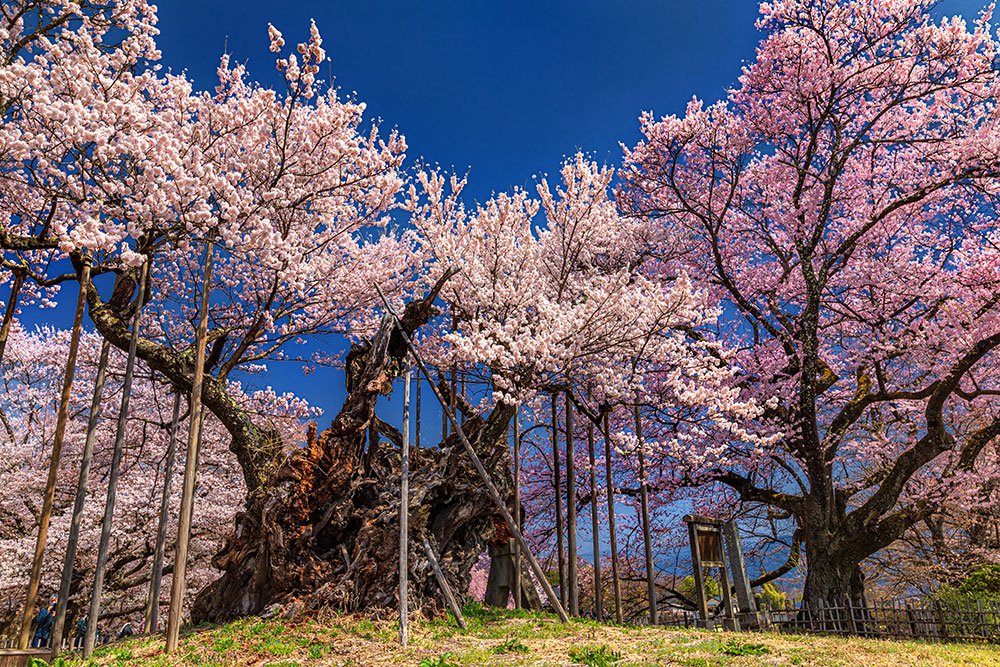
[503,89]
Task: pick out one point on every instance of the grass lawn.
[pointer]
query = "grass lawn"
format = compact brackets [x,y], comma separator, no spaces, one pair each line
[516,638]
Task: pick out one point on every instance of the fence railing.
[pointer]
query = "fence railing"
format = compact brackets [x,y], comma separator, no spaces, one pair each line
[932,620]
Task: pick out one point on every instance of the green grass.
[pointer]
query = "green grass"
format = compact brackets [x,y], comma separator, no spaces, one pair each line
[595,656]
[515,638]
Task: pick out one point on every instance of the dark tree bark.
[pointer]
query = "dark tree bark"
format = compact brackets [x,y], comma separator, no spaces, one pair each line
[286,549]
[501,581]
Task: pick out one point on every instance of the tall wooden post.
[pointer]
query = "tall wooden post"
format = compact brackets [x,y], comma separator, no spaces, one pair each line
[191,464]
[615,578]
[443,583]
[595,525]
[73,540]
[571,555]
[699,575]
[416,434]
[557,469]
[57,442]
[452,402]
[462,393]
[646,536]
[153,601]
[454,393]
[478,464]
[116,459]
[8,315]
[404,513]
[517,506]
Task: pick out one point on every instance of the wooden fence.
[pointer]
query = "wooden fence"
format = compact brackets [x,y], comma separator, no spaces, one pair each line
[930,620]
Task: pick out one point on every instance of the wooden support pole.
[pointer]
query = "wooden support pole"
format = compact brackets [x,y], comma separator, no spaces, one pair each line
[416,433]
[517,506]
[595,525]
[615,578]
[478,464]
[35,577]
[444,422]
[116,458]
[699,575]
[59,625]
[462,393]
[153,601]
[557,482]
[571,555]
[646,536]
[454,377]
[404,513]
[727,595]
[443,583]
[191,464]
[8,315]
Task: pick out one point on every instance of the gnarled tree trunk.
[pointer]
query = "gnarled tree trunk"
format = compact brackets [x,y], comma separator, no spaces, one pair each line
[324,529]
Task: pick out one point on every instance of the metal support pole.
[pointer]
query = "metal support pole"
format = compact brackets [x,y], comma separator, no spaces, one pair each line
[191,464]
[116,459]
[57,442]
[153,602]
[58,627]
[490,487]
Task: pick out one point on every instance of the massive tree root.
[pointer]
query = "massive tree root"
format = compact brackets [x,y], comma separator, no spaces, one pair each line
[324,531]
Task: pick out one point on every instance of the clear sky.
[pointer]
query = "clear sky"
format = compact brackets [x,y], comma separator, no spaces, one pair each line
[501,89]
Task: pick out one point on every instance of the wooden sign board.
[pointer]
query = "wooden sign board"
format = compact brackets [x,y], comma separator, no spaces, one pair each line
[710,547]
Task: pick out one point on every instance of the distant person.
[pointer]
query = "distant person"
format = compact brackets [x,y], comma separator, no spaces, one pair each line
[43,625]
[81,631]
[126,630]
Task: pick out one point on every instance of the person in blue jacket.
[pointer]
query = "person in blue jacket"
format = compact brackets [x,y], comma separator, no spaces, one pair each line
[81,631]
[43,625]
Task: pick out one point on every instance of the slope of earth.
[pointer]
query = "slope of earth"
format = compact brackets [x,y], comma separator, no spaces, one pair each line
[516,638]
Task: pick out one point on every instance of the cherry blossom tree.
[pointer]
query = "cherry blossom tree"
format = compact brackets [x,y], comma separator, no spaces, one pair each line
[114,162]
[32,373]
[536,304]
[110,160]
[840,206]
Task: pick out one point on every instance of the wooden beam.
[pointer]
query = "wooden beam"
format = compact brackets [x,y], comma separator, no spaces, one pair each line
[177,587]
[443,583]
[59,625]
[557,483]
[153,602]
[404,513]
[93,615]
[612,522]
[571,551]
[490,487]
[644,508]
[34,579]
[595,525]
